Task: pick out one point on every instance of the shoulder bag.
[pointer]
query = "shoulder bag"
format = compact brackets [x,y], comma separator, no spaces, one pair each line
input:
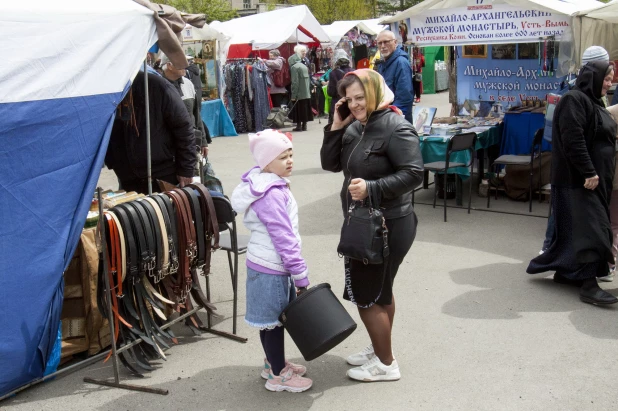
[364,235]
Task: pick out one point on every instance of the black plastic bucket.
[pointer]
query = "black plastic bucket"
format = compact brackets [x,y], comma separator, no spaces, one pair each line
[317,321]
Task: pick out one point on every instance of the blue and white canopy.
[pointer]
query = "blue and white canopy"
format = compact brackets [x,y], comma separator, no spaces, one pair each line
[65,66]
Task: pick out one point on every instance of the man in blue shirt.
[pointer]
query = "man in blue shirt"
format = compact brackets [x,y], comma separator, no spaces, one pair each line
[397,72]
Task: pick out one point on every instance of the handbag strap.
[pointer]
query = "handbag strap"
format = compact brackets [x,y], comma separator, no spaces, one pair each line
[348,283]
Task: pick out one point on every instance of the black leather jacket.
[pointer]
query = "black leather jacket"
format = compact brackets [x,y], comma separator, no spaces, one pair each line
[385,151]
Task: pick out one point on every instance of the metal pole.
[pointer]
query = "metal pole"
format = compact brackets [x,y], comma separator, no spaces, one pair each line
[108,290]
[148,155]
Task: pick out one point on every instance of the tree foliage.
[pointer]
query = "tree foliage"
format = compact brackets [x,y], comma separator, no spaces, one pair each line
[390,7]
[213,9]
[327,11]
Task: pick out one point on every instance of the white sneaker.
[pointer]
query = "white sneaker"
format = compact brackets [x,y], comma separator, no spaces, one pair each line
[609,277]
[362,357]
[374,370]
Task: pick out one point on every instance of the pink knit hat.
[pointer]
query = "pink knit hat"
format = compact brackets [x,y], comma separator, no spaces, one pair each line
[267,145]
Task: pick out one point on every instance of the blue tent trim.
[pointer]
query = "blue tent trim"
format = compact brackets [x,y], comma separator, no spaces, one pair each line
[51,152]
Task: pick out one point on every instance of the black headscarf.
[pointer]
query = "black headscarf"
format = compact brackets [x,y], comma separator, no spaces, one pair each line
[590,80]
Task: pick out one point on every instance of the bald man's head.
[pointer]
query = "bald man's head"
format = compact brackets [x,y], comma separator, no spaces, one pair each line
[387,43]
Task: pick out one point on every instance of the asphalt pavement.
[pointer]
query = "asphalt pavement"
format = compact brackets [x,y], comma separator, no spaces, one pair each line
[472,331]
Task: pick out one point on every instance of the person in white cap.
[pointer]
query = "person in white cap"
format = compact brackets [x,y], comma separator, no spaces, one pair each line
[592,53]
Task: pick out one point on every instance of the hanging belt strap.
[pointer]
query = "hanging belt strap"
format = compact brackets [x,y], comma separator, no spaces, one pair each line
[162,238]
[171,213]
[198,223]
[123,251]
[141,224]
[132,260]
[186,245]
[210,221]
[155,225]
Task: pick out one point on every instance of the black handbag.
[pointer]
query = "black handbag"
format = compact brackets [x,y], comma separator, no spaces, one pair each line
[364,235]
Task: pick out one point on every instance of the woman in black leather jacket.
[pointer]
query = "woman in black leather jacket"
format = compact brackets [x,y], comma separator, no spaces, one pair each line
[375,146]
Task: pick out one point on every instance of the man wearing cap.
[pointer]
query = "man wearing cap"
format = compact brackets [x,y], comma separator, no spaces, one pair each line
[187,92]
[172,138]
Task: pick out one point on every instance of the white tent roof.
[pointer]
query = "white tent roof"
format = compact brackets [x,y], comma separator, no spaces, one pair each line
[338,29]
[190,33]
[553,6]
[266,31]
[607,12]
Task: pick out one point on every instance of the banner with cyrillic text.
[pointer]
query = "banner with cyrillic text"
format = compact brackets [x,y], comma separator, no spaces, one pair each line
[501,23]
[506,81]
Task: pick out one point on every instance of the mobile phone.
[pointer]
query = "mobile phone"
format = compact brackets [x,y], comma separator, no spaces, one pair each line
[344,111]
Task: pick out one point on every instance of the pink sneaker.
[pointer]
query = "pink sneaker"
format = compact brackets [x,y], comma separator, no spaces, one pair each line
[298,369]
[287,381]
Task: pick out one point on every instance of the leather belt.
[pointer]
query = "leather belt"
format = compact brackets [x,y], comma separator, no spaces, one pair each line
[186,243]
[163,238]
[157,228]
[171,214]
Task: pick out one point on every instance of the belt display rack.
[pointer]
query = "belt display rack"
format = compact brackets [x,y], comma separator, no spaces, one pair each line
[151,253]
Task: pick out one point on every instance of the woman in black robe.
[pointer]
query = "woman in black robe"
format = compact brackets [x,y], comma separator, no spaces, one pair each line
[583,163]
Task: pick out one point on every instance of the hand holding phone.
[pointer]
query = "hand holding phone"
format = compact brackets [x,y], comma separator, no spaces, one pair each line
[342,116]
[344,111]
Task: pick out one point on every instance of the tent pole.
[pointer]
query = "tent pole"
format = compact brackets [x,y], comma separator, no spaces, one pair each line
[148,154]
[108,290]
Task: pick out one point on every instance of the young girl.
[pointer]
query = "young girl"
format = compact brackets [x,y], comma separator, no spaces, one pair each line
[275,266]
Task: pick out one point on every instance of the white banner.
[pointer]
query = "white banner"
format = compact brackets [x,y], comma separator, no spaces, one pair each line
[501,23]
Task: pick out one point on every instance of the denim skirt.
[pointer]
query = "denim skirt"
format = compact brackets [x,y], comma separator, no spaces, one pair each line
[267,296]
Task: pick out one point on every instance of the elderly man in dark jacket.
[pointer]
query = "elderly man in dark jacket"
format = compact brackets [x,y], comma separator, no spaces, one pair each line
[171,134]
[397,72]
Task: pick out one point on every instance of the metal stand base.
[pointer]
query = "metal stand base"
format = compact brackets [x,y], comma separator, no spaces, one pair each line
[126,386]
[225,334]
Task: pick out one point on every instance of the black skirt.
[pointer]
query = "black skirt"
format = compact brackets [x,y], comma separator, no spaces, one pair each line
[371,282]
[301,112]
[561,255]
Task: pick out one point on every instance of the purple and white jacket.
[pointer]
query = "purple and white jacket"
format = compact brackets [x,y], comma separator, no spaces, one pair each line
[271,213]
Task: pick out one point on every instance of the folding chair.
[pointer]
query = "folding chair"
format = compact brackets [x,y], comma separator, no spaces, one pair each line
[508,159]
[231,242]
[459,142]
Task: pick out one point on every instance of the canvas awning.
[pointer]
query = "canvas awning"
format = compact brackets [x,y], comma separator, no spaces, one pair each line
[267,31]
[452,22]
[338,29]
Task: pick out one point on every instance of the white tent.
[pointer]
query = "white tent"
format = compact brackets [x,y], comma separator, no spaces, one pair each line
[338,29]
[190,33]
[597,26]
[266,31]
[66,66]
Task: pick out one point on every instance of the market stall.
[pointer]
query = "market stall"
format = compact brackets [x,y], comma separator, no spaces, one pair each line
[596,26]
[253,36]
[58,102]
[507,54]
[208,47]
[266,31]
[356,37]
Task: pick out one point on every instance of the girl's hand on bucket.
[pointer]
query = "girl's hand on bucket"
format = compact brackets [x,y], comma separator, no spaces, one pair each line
[300,290]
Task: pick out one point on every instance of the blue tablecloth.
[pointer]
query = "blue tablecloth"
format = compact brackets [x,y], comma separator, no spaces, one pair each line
[519,129]
[433,148]
[217,119]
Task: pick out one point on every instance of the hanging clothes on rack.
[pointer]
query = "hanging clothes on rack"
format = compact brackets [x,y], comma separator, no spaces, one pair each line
[260,82]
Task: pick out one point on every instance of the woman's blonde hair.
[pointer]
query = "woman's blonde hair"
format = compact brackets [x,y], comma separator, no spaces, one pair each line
[299,48]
